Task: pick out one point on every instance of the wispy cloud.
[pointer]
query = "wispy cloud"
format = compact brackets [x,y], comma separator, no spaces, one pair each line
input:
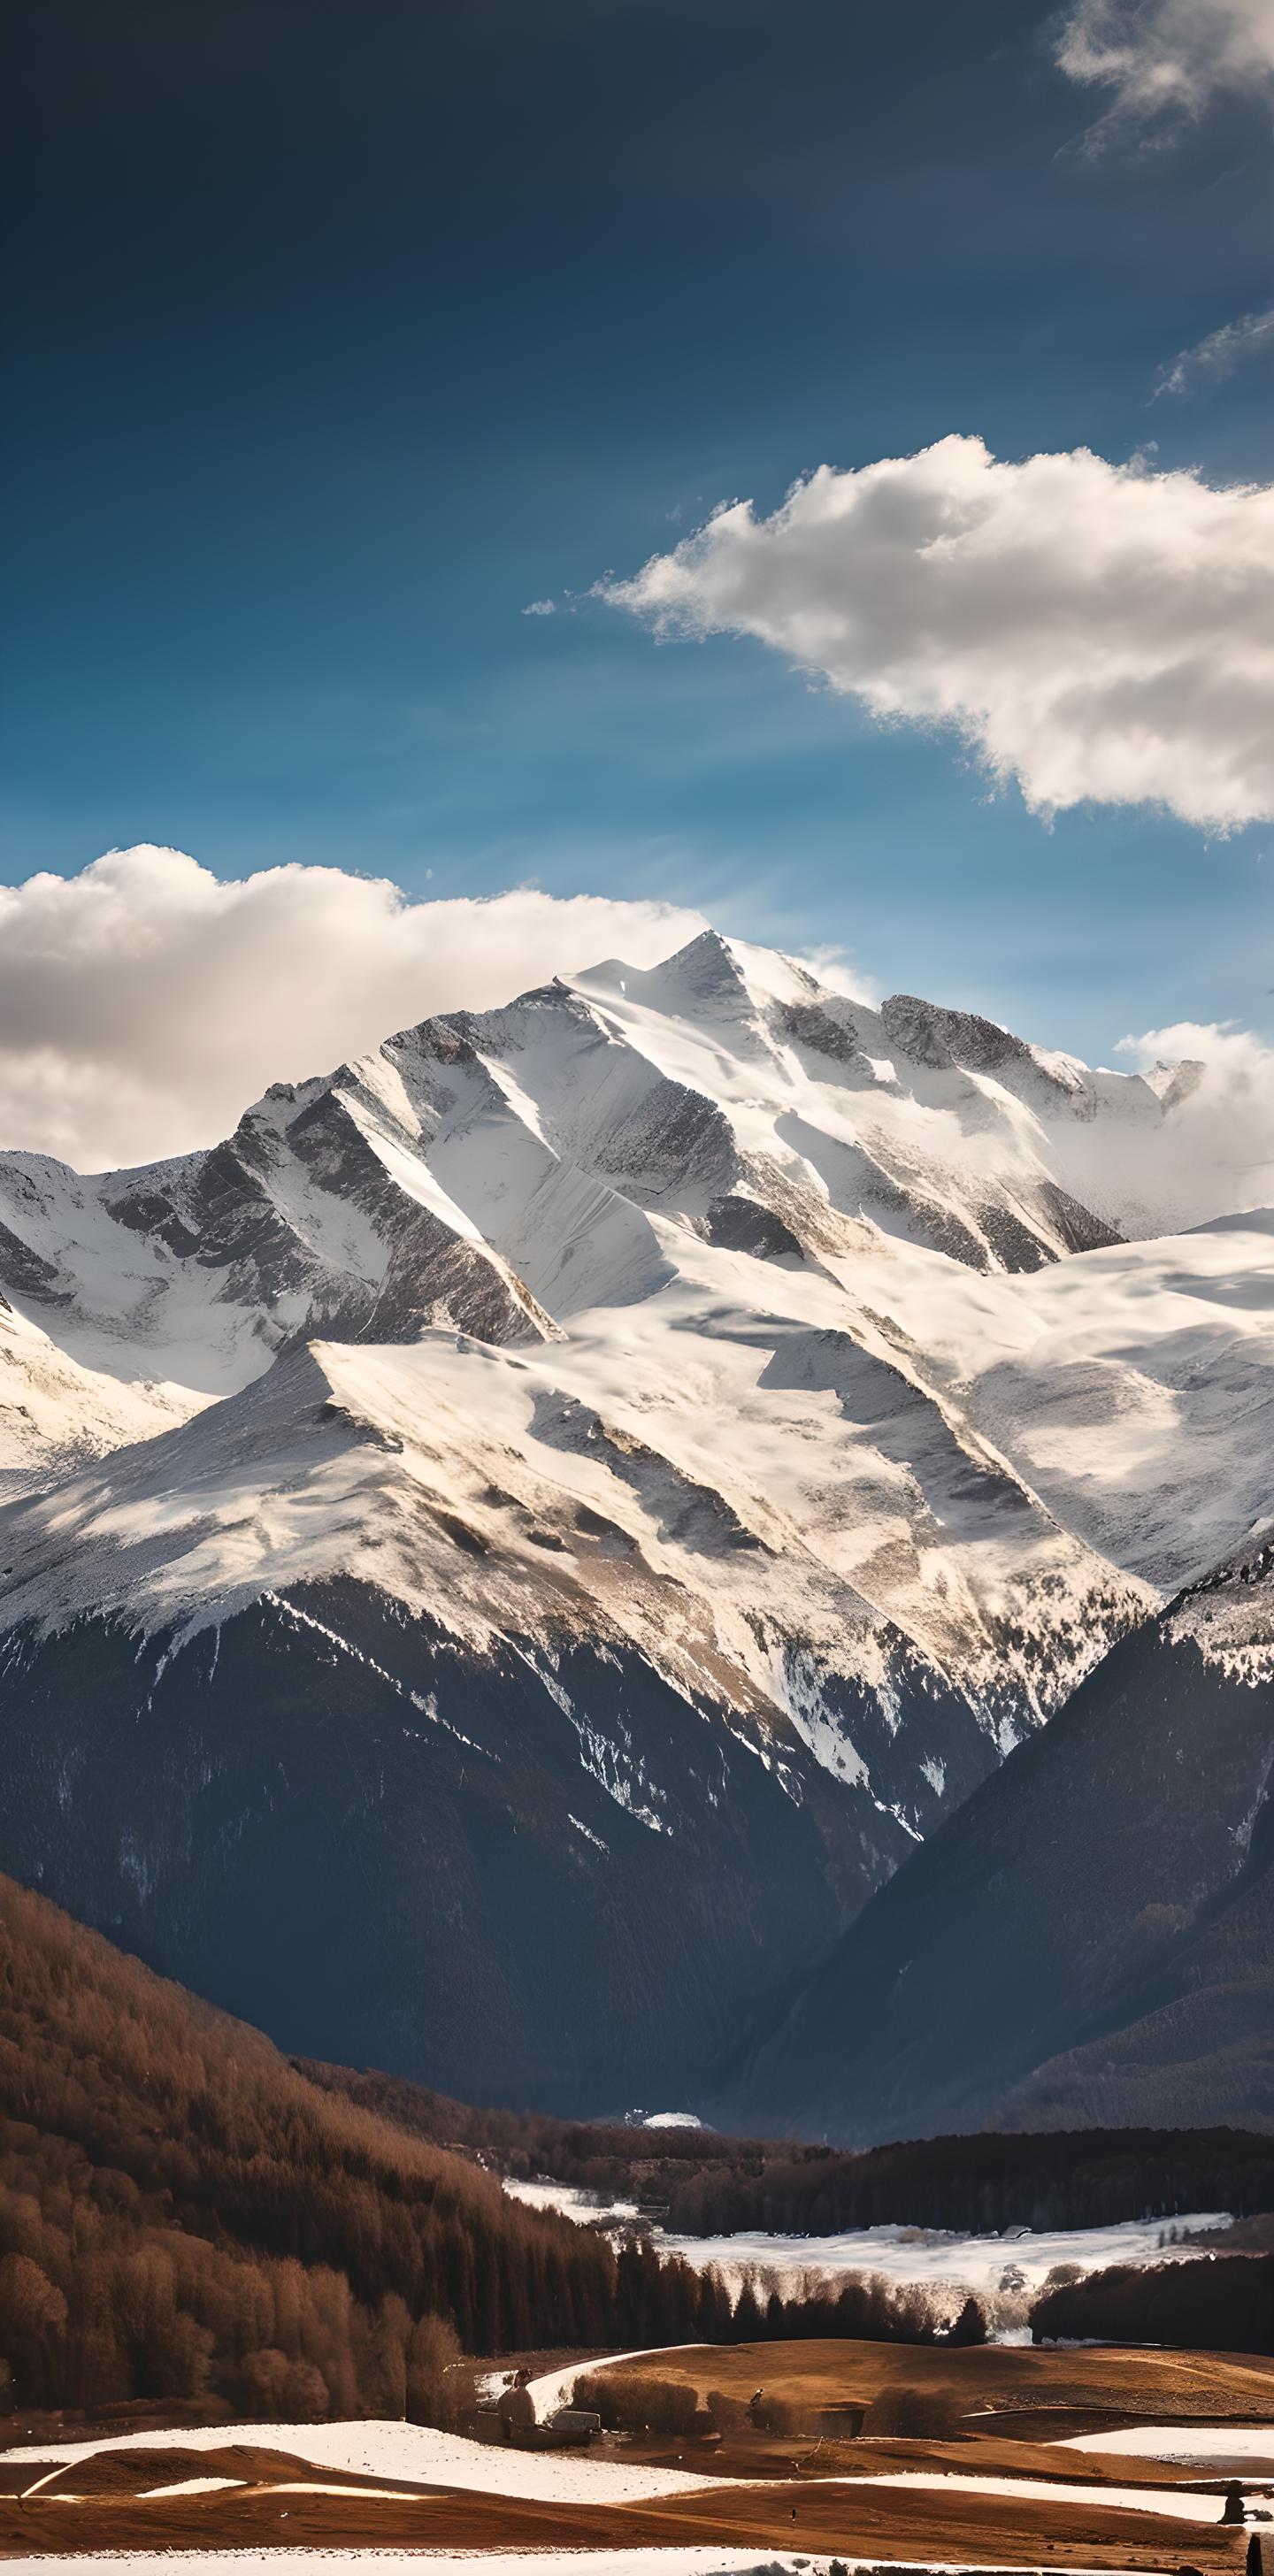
[1091,630]
[540,608]
[1160,61]
[1211,360]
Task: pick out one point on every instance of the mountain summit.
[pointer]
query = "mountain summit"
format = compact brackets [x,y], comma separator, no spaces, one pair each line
[504,1554]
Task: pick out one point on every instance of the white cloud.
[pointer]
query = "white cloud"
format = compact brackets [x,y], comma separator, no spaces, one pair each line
[1166,58]
[832,966]
[1215,1150]
[540,608]
[1092,630]
[1217,357]
[144,1003]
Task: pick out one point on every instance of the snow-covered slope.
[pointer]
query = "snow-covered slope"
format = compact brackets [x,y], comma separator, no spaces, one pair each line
[492,1170]
[761,1500]
[54,1414]
[712,1370]
[808,1263]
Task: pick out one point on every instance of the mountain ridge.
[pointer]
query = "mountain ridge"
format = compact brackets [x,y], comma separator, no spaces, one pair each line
[1089,1940]
[647,1388]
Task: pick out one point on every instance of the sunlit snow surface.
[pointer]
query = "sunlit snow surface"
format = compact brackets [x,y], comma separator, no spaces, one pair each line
[698,1312]
[1010,2269]
[1205,2446]
[538,2562]
[416,2453]
[1179,2504]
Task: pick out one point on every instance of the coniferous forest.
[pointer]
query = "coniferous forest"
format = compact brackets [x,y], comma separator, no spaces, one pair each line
[1223,2303]
[182,2214]
[190,2218]
[185,2216]
[707,2185]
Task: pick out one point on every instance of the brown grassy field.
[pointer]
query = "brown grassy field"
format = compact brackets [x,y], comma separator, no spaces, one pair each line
[1110,2383]
[105,2512]
[764,2492]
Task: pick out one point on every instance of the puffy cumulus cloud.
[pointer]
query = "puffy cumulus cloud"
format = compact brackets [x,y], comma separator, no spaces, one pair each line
[1092,630]
[1211,360]
[1168,59]
[145,1002]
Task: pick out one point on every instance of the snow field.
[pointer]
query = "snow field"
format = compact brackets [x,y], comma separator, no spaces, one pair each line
[1006,2270]
[1185,2445]
[415,2453]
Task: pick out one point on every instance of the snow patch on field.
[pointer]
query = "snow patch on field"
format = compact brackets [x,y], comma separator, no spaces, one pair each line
[179,2487]
[415,2453]
[1185,2445]
[1178,2503]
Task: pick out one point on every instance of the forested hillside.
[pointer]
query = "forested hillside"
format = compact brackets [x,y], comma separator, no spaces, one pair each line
[187,2216]
[710,2185]
[181,2213]
[1221,2304]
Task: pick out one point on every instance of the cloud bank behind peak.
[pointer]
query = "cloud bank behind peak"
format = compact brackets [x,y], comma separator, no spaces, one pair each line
[145,1002]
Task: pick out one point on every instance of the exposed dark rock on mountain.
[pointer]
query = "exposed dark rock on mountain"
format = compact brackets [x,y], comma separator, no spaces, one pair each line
[526,1880]
[1090,1940]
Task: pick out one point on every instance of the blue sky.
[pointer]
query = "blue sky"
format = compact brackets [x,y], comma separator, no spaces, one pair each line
[342,334]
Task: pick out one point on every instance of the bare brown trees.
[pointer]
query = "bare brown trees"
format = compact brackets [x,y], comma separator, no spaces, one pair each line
[184,2216]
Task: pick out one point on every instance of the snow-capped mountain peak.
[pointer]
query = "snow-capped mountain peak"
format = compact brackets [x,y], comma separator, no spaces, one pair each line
[695,1421]
[747,1215]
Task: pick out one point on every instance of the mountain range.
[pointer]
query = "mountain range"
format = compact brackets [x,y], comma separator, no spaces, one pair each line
[523,1563]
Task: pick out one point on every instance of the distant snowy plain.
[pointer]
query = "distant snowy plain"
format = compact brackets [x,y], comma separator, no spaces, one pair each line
[1007,2271]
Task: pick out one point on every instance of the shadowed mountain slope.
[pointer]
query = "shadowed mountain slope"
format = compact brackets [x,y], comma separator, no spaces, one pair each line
[1091,1938]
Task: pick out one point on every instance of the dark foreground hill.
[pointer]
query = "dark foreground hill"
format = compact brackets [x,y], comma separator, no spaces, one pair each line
[187,2217]
[1090,1939]
[182,2215]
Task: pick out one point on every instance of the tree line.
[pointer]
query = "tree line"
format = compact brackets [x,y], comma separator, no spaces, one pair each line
[1206,2303]
[976,2185]
[187,2217]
